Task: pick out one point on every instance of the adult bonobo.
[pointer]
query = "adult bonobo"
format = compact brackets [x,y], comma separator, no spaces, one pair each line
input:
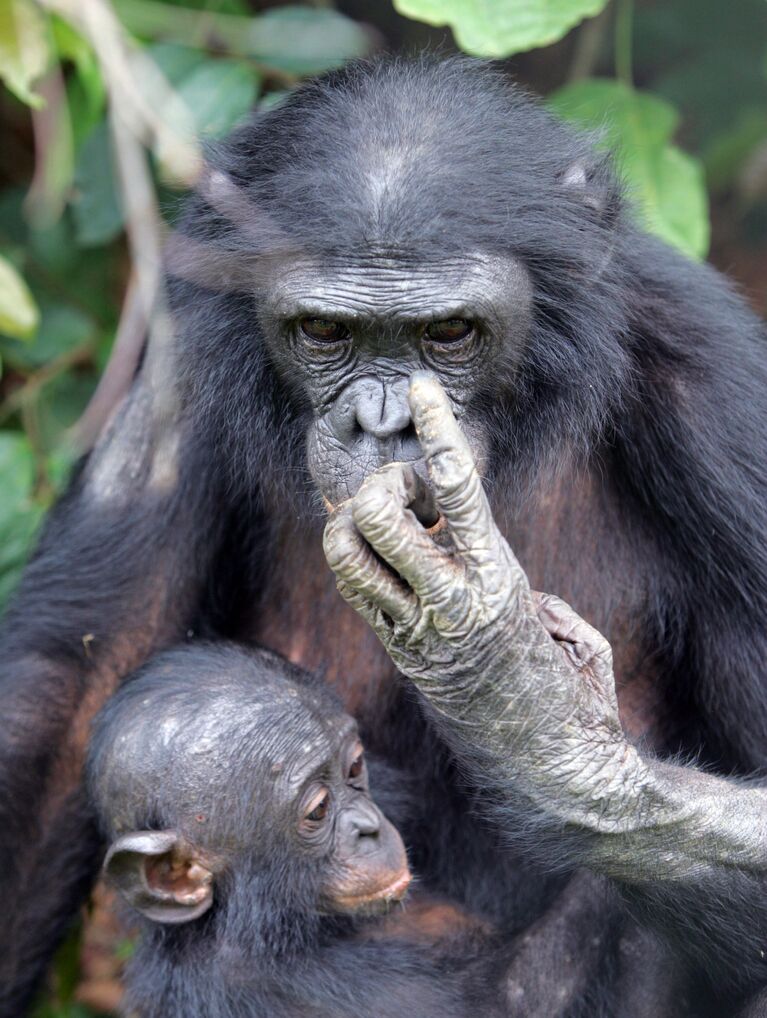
[389,218]
[234,794]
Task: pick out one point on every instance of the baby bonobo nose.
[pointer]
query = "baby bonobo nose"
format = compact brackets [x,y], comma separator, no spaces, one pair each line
[366,821]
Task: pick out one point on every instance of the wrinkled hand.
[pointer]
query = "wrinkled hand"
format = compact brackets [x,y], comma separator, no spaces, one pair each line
[517,674]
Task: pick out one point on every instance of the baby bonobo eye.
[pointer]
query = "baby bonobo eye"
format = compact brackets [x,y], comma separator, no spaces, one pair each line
[323,330]
[449,330]
[318,808]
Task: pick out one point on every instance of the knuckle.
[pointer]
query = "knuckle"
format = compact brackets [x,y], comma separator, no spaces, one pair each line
[371,502]
[342,550]
[454,473]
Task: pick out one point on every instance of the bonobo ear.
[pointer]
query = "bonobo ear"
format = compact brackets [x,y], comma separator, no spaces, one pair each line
[160,876]
[593,182]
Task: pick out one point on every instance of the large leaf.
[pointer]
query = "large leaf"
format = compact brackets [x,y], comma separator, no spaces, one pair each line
[498,28]
[666,184]
[24,48]
[96,207]
[218,93]
[18,311]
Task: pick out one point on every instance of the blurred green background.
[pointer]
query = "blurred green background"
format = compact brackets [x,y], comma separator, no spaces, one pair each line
[100,99]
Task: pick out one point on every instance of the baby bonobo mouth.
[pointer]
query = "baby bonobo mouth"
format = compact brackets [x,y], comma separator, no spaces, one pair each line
[380,899]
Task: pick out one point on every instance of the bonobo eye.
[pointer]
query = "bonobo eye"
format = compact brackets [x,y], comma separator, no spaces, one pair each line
[322,330]
[318,807]
[450,330]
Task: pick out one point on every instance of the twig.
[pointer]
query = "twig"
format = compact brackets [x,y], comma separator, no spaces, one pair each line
[588,43]
[624,29]
[54,151]
[121,368]
[133,122]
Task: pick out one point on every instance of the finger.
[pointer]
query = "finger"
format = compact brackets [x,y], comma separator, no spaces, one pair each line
[457,487]
[381,513]
[355,565]
[375,617]
[565,625]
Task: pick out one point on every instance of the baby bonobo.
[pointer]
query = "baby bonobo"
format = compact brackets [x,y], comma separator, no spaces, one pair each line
[234,793]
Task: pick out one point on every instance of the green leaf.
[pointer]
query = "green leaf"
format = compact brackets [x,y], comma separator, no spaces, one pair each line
[676,205]
[66,397]
[18,312]
[498,28]
[666,183]
[86,92]
[61,330]
[20,515]
[96,206]
[218,93]
[24,48]
[294,39]
[176,62]
[47,1010]
[306,40]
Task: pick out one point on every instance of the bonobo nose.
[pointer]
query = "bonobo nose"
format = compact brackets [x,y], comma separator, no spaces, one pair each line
[367,425]
[367,822]
[381,408]
[363,823]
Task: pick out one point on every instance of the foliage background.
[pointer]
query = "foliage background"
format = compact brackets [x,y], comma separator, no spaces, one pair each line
[677,87]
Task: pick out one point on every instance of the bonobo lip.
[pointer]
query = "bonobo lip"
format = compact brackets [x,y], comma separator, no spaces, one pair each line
[421,500]
[395,891]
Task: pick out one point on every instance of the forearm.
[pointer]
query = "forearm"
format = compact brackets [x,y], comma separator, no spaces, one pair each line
[682,824]
[697,872]
[687,850]
[642,818]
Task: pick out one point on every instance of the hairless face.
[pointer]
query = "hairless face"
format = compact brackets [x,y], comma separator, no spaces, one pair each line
[351,335]
[214,763]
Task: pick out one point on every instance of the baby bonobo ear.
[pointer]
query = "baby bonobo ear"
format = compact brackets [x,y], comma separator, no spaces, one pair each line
[160,875]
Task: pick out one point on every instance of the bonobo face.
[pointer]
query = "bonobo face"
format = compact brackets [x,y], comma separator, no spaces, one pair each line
[226,776]
[350,335]
[337,824]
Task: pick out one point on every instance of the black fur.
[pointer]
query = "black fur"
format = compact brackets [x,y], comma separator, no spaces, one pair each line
[643,367]
[264,949]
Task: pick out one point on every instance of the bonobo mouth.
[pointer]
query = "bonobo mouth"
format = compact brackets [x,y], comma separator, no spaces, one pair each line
[421,499]
[395,891]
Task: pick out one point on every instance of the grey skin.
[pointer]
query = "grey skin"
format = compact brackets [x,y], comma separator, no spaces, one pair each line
[200,724]
[520,676]
[357,387]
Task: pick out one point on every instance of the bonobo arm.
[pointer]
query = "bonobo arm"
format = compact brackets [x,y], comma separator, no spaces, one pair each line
[525,693]
[116,574]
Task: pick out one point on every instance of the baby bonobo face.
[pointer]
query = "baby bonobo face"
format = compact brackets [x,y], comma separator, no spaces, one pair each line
[361,853]
[214,768]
